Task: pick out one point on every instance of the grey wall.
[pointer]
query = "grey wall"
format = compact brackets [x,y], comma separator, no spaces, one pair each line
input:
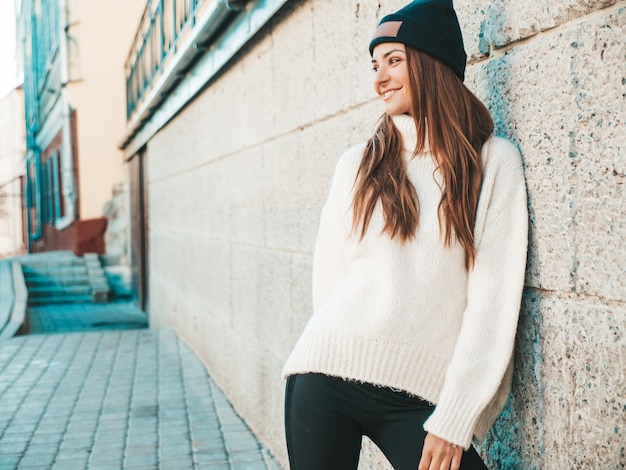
[238,178]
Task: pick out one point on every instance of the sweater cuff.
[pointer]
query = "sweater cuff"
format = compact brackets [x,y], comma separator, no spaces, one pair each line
[454,419]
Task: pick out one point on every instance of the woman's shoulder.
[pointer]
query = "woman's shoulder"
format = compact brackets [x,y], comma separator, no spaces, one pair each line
[353,155]
[350,160]
[500,155]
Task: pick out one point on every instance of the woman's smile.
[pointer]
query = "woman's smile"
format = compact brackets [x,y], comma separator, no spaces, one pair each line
[388,93]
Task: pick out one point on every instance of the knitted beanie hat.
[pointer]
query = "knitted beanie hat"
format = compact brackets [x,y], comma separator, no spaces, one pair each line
[430,26]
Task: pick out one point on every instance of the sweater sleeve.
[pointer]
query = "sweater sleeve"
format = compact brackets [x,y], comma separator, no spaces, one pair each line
[485,344]
[329,264]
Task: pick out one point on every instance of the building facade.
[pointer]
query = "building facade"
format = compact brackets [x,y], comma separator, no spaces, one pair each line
[233,135]
[12,165]
[73,55]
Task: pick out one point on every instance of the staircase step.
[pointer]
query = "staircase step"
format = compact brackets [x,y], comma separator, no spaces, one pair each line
[47,291]
[54,271]
[65,281]
[58,277]
[54,264]
[60,299]
[52,260]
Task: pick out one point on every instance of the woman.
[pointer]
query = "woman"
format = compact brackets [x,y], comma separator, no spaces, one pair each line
[418,269]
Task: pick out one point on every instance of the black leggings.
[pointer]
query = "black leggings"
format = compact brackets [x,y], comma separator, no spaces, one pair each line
[325,418]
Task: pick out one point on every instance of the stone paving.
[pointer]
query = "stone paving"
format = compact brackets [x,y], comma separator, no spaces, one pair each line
[116,399]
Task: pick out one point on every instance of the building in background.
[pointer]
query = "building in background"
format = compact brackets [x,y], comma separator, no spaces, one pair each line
[12,168]
[73,53]
[237,115]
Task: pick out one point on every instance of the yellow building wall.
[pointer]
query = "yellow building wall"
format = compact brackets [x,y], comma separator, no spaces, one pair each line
[100,35]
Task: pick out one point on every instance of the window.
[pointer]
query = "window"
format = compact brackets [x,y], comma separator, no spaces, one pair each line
[51,189]
[33,200]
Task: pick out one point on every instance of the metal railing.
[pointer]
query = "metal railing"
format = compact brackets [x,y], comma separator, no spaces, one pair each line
[158,47]
[161,26]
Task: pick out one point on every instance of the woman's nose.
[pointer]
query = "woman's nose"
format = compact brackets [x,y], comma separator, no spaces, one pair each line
[380,76]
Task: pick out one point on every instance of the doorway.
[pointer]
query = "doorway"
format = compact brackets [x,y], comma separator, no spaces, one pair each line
[139,229]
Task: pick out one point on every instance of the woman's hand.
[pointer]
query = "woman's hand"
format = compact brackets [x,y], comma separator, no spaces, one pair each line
[439,454]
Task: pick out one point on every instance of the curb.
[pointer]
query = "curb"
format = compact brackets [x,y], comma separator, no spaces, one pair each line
[13,300]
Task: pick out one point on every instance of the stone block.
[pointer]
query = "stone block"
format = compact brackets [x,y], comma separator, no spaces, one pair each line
[245,291]
[258,103]
[584,387]
[294,69]
[598,149]
[210,285]
[242,202]
[254,368]
[337,56]
[211,194]
[162,147]
[301,305]
[281,193]
[211,341]
[568,389]
[274,301]
[535,99]
[488,26]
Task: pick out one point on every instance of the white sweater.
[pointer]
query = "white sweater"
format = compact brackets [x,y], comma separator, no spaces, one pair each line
[409,315]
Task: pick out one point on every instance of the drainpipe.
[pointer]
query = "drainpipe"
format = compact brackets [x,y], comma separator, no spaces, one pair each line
[68,191]
[218,12]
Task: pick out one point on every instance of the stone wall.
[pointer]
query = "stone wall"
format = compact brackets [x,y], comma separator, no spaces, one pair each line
[116,262]
[238,178]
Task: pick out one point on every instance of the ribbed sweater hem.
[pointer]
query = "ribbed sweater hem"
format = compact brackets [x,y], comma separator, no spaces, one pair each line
[397,365]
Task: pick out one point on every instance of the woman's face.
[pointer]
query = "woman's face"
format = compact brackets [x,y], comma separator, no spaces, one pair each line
[391,79]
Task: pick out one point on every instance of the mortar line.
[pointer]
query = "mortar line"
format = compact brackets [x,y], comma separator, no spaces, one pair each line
[82,388]
[184,378]
[496,52]
[105,395]
[9,362]
[182,234]
[261,143]
[590,299]
[131,398]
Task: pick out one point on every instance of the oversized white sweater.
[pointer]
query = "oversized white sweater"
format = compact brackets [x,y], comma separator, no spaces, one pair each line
[409,315]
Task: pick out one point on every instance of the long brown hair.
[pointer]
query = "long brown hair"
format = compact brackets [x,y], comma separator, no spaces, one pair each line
[458,126]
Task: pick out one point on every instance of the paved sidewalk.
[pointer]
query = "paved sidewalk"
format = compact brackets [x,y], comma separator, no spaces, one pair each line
[118,399]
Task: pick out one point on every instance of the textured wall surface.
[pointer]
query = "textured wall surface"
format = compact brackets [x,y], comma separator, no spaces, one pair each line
[238,178]
[12,151]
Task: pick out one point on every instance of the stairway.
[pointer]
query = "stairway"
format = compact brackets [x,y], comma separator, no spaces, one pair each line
[62,277]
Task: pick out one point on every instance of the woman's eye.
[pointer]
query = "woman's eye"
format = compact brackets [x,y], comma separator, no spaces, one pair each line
[394,60]
[375,68]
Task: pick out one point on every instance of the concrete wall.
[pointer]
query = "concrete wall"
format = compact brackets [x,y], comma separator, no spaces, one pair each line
[238,178]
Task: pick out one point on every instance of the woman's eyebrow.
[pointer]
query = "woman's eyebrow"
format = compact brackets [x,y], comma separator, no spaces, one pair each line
[388,53]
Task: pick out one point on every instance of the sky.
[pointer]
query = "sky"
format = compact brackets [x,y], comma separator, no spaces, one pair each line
[8,73]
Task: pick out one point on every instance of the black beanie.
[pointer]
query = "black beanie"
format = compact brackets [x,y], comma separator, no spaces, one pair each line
[430,26]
